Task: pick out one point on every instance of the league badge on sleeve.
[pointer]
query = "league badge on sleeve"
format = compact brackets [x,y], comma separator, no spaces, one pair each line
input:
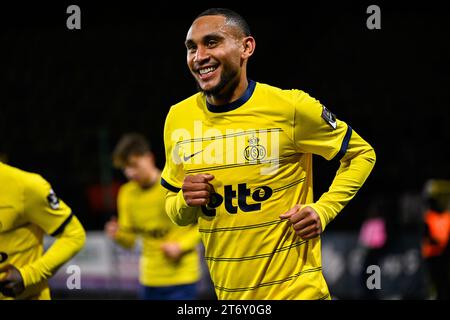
[53,200]
[329,117]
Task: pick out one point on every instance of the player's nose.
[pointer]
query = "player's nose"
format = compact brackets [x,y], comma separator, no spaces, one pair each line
[130,173]
[201,55]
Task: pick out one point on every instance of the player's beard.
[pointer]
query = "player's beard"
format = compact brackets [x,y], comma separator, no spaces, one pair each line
[226,77]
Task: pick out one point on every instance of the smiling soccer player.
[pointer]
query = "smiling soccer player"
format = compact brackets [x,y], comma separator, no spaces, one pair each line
[239,161]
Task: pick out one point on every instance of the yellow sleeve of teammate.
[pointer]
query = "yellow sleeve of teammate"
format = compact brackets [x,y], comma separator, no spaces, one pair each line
[317,131]
[66,245]
[43,208]
[125,235]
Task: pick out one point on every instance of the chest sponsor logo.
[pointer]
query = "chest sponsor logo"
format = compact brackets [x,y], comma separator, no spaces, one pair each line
[240,197]
[156,233]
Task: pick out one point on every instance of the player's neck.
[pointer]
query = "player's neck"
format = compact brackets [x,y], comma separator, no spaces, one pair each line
[229,94]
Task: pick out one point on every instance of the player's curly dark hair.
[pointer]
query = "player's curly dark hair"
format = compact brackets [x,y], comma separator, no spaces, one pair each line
[230,16]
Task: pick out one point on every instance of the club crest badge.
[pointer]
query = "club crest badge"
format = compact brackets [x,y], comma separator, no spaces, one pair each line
[254,151]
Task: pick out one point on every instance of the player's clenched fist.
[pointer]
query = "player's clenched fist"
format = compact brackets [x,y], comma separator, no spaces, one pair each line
[197,189]
[305,221]
[11,281]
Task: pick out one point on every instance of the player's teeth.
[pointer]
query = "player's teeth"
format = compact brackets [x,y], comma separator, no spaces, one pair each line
[203,71]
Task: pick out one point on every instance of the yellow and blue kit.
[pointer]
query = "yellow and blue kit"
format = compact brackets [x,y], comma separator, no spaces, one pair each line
[29,209]
[259,149]
[142,213]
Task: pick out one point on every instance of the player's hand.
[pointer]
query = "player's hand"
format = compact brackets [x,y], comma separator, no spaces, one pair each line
[172,250]
[305,221]
[11,281]
[197,189]
[111,228]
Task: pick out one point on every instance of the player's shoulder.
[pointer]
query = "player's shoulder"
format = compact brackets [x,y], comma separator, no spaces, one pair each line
[128,188]
[20,176]
[287,101]
[270,93]
[187,106]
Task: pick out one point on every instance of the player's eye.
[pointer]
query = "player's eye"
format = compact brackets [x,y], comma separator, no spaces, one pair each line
[211,43]
[191,49]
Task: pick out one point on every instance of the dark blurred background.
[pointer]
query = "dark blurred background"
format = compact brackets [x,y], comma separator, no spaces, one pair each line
[68,95]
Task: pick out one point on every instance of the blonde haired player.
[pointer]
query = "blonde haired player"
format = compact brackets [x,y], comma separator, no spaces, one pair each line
[29,209]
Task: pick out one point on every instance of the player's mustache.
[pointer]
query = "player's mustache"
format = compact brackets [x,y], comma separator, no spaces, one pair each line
[198,65]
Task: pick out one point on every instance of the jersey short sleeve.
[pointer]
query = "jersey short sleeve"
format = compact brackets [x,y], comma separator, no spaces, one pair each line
[173,174]
[43,208]
[316,129]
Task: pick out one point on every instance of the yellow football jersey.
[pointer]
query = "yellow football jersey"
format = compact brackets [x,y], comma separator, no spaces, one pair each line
[28,209]
[142,213]
[259,149]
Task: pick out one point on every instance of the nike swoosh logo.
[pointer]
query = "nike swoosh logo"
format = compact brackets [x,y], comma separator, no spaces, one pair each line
[188,157]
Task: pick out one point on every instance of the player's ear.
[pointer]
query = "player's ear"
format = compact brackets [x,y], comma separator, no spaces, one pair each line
[249,45]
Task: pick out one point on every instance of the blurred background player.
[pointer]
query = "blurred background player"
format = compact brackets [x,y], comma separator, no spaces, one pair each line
[29,209]
[169,263]
[435,248]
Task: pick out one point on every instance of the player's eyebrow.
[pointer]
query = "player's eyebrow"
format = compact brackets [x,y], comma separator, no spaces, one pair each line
[189,43]
[212,36]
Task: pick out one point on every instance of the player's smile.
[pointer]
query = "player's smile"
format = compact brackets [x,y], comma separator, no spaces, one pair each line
[206,73]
